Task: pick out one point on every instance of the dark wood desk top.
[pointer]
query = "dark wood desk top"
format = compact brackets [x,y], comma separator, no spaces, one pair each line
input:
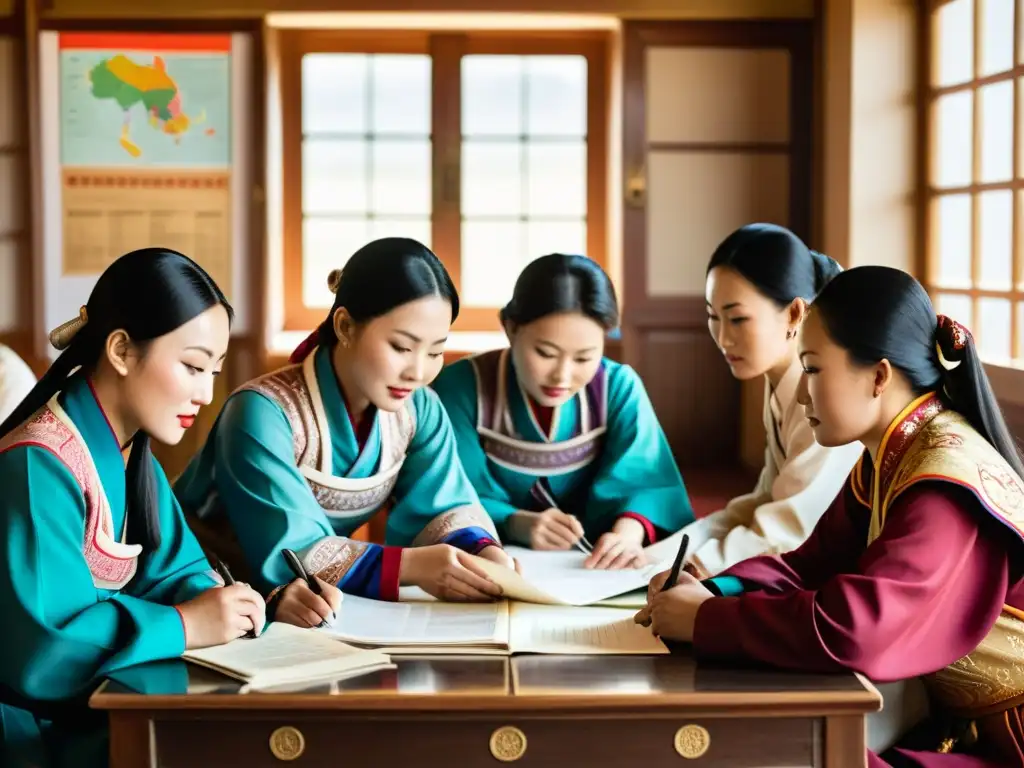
[522,683]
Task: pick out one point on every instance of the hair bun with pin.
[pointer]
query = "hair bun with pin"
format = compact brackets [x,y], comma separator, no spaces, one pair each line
[334,280]
[951,339]
[62,336]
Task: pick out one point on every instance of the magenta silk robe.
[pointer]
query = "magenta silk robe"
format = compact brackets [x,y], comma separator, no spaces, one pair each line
[921,596]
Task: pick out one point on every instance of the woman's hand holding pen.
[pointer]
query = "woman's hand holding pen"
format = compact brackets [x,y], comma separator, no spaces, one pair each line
[222,614]
[553,529]
[446,573]
[672,614]
[299,605]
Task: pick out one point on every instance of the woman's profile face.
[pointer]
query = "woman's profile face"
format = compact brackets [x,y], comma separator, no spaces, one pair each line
[557,356]
[173,375]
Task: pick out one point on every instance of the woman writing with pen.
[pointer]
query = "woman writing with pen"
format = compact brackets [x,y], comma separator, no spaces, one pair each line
[562,444]
[300,458]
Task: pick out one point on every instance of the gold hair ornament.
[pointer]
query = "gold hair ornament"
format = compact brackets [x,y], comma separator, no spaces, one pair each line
[334,280]
[63,334]
[951,339]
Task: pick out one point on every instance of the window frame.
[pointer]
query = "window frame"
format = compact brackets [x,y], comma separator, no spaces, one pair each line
[929,95]
[446,48]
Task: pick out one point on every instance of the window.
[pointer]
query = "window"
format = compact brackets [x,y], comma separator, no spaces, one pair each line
[974,265]
[490,148]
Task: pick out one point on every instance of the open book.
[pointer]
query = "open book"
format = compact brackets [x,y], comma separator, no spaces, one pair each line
[559,578]
[285,655]
[499,628]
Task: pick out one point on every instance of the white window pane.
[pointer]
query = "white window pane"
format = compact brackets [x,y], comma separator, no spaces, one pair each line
[334,178]
[956,306]
[556,179]
[492,95]
[556,95]
[401,94]
[492,178]
[1019,352]
[951,228]
[996,104]
[417,229]
[401,177]
[953,57]
[543,237]
[996,36]
[951,161]
[334,92]
[492,258]
[995,210]
[327,244]
[993,332]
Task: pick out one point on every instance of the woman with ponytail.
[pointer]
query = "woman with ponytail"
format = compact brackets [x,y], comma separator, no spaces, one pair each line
[760,281]
[560,442]
[302,457]
[100,570]
[917,568]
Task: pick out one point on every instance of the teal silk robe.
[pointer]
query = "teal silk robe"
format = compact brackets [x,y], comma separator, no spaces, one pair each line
[630,472]
[254,493]
[67,624]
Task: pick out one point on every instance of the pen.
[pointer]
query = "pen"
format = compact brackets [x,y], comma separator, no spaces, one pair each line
[221,567]
[673,575]
[300,573]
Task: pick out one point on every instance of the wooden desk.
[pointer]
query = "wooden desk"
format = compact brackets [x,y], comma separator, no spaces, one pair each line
[469,711]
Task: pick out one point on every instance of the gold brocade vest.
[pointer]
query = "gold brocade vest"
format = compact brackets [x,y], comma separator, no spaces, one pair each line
[927,442]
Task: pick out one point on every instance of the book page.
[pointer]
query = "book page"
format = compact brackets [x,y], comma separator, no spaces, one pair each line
[559,578]
[282,651]
[579,631]
[381,623]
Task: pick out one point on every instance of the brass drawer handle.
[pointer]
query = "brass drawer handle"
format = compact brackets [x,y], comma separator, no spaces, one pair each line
[287,743]
[508,744]
[692,741]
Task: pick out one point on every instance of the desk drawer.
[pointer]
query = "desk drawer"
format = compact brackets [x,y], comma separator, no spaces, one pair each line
[422,741]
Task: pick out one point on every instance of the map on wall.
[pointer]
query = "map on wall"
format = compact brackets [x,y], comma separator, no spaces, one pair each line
[145,99]
[145,148]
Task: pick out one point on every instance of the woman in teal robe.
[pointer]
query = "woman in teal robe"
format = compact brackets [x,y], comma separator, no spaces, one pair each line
[100,571]
[301,458]
[561,443]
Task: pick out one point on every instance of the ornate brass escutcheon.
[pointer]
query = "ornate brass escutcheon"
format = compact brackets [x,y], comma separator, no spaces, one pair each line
[287,743]
[692,741]
[508,744]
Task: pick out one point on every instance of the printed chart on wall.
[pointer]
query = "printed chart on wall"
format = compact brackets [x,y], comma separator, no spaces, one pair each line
[145,148]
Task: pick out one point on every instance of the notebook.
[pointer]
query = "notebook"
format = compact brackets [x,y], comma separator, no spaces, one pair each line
[285,655]
[427,626]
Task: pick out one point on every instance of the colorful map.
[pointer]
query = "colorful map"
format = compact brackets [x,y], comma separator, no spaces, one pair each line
[145,100]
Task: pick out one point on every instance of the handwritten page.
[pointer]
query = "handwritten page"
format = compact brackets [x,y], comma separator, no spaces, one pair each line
[285,654]
[421,624]
[579,630]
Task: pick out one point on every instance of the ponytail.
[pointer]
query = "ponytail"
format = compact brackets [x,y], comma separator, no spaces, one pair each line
[147,293]
[966,386]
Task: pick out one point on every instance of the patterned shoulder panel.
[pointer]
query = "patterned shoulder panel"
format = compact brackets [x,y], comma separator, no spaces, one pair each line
[45,430]
[486,369]
[287,387]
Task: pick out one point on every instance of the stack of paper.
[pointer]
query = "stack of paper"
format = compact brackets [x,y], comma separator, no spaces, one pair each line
[285,655]
[499,628]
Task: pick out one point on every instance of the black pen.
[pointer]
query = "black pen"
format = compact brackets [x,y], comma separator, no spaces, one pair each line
[222,568]
[673,575]
[300,573]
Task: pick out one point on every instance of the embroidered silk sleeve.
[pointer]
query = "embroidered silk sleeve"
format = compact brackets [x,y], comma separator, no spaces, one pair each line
[435,502]
[51,606]
[271,507]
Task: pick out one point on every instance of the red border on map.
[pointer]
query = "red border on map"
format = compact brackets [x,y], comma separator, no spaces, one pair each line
[150,42]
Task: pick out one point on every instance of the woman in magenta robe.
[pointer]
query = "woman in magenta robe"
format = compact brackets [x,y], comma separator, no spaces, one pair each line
[917,568]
